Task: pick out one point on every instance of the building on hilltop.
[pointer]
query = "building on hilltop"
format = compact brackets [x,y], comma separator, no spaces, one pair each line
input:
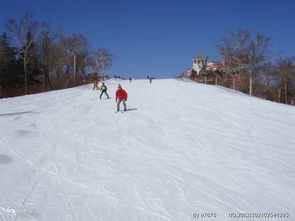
[218,73]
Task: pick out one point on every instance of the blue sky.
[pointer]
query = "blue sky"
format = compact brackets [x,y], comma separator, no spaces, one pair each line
[159,38]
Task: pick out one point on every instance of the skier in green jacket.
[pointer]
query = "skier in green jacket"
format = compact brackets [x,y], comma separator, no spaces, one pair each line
[103,89]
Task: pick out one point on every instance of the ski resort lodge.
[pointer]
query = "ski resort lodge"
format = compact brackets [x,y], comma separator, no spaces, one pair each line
[211,72]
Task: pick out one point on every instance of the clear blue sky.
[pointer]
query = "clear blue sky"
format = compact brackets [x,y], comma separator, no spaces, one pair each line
[159,37]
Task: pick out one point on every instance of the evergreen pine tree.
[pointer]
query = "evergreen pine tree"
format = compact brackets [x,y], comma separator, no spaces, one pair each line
[10,71]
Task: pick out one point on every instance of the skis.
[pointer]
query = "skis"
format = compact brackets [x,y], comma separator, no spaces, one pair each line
[128,109]
[120,111]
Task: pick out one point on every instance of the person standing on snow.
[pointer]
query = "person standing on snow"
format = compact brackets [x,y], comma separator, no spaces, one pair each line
[103,89]
[121,96]
[95,85]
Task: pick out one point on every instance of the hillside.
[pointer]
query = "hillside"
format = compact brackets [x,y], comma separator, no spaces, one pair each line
[181,149]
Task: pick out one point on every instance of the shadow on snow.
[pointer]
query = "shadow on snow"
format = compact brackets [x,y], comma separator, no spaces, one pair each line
[13,114]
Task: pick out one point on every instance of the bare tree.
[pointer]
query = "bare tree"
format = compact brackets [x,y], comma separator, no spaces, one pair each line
[240,50]
[82,63]
[101,59]
[285,72]
[227,50]
[19,31]
[46,38]
[57,59]
[75,45]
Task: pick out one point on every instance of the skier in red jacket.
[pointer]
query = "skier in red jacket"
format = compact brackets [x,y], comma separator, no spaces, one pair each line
[121,96]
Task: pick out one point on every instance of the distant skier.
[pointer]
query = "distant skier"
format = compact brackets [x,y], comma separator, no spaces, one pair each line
[130,80]
[121,96]
[103,89]
[95,85]
[150,79]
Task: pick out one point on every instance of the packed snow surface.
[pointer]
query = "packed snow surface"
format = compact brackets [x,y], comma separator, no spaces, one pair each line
[181,150]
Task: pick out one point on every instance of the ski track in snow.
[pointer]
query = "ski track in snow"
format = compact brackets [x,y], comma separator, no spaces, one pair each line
[182,148]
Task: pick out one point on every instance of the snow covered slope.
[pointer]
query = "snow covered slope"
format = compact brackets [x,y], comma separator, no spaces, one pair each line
[183,149]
